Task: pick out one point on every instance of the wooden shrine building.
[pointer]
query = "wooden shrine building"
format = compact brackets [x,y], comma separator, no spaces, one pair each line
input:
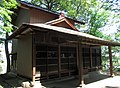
[50,47]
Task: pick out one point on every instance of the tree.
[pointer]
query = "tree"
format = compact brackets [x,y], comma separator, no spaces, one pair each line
[89,11]
[114,22]
[1,61]
[6,7]
[49,4]
[114,7]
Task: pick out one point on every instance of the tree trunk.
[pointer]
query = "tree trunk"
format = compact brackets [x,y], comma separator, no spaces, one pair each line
[7,53]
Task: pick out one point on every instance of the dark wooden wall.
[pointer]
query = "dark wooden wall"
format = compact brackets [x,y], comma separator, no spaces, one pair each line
[40,16]
[56,59]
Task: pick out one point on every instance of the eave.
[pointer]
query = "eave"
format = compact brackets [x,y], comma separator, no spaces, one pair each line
[85,38]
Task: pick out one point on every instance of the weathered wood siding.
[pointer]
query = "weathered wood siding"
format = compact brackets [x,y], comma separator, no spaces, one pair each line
[14,45]
[23,17]
[24,56]
[38,16]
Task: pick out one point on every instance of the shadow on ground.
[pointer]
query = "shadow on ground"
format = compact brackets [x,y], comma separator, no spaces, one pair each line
[95,76]
[11,80]
[111,87]
[74,82]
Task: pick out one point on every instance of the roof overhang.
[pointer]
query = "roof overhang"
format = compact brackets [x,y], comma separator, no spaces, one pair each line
[85,38]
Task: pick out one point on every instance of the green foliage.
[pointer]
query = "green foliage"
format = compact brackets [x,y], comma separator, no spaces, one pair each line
[115,58]
[6,12]
[6,7]
[89,11]
[117,36]
[1,61]
[49,4]
[1,86]
[114,7]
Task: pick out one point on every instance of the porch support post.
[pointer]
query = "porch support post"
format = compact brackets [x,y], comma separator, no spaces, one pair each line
[110,59]
[59,61]
[80,64]
[90,58]
[33,60]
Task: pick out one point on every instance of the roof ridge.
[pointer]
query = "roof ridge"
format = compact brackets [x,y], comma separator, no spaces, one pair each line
[59,20]
[50,22]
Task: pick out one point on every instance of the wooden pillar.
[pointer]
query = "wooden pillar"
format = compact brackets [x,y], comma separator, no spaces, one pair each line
[90,58]
[33,60]
[110,59]
[80,64]
[59,61]
[101,67]
[34,73]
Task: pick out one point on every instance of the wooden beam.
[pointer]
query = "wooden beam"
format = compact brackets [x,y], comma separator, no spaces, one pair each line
[80,64]
[110,59]
[24,7]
